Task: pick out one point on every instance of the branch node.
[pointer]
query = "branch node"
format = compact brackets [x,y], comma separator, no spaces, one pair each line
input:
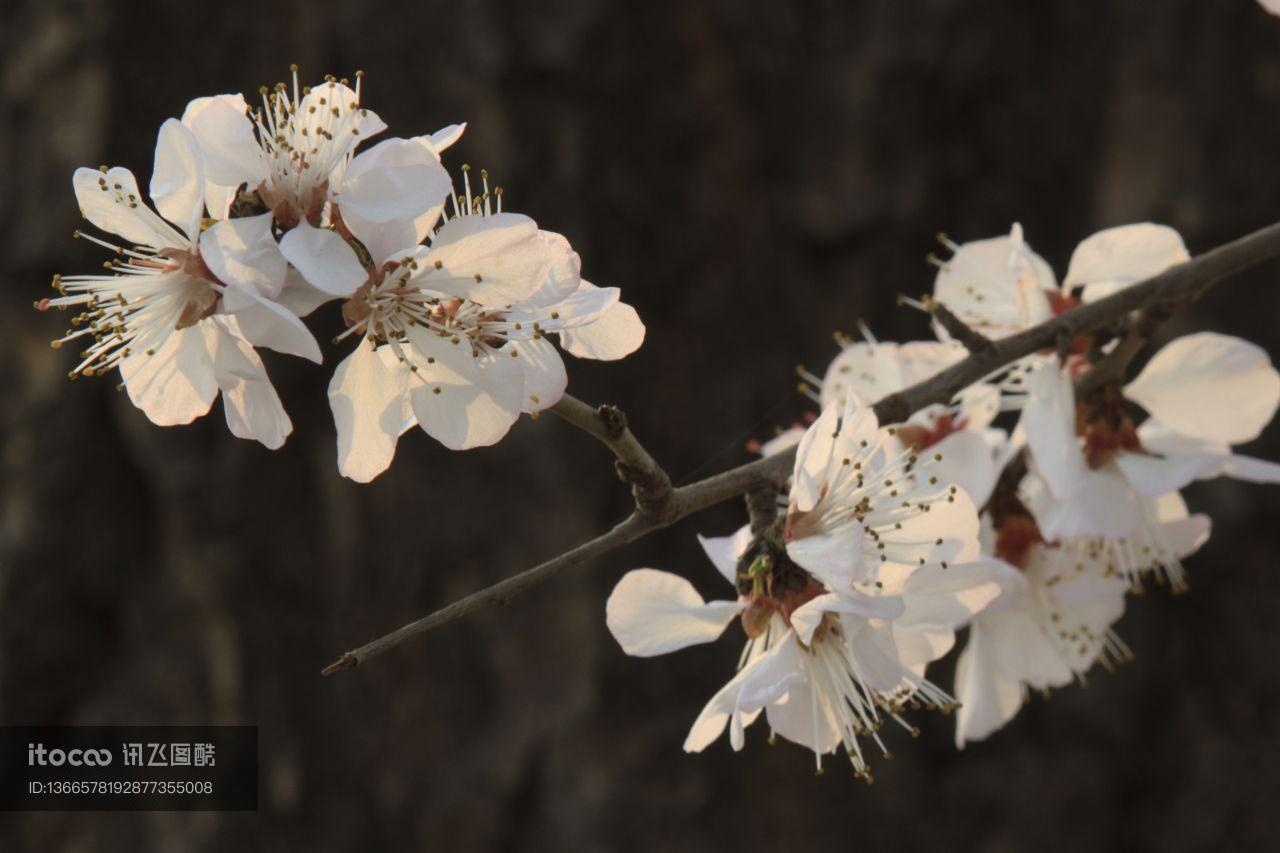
[614,420]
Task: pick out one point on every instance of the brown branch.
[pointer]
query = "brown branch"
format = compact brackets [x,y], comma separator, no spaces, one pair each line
[663,505]
[1111,366]
[500,593]
[972,340]
[649,484]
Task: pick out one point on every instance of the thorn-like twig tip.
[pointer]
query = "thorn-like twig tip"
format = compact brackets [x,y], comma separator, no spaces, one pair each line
[347,661]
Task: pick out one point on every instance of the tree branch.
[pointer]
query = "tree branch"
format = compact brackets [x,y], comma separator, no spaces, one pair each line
[972,340]
[659,505]
[1111,367]
[649,483]
[500,593]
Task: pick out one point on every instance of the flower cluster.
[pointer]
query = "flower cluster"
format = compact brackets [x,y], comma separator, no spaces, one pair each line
[263,214]
[891,538]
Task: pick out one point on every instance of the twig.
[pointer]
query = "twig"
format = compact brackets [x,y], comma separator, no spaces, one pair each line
[972,340]
[1111,367]
[500,593]
[649,484]
[1179,284]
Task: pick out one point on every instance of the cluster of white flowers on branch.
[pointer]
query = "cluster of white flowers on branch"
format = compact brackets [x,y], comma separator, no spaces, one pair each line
[891,538]
[262,215]
[1002,476]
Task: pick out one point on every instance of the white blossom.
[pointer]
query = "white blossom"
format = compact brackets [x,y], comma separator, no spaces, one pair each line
[1098,475]
[1053,618]
[827,669]
[865,512]
[1000,286]
[453,336]
[1051,623]
[842,620]
[297,153]
[182,308]
[972,449]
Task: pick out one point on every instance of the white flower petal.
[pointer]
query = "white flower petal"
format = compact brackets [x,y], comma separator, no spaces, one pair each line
[1049,423]
[265,323]
[1155,475]
[1209,386]
[1163,440]
[1251,469]
[988,698]
[614,334]
[652,613]
[367,396]
[385,240]
[1116,258]
[968,461]
[834,558]
[953,595]
[494,260]
[920,645]
[298,296]
[715,715]
[585,306]
[997,285]
[872,645]
[175,384]
[806,618]
[111,201]
[725,551]
[177,182]
[1101,504]
[813,459]
[442,138]
[562,281]
[478,398]
[948,533]
[1186,536]
[874,369]
[252,406]
[324,259]
[218,199]
[804,718]
[395,180]
[544,375]
[779,670]
[243,251]
[230,151]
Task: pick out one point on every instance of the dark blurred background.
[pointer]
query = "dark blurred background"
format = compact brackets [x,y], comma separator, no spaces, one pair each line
[754,175]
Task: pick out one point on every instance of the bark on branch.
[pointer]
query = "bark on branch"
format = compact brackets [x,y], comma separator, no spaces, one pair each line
[659,505]
[972,340]
[649,484]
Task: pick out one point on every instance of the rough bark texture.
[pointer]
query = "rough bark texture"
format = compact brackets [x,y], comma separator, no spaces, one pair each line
[751,175]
